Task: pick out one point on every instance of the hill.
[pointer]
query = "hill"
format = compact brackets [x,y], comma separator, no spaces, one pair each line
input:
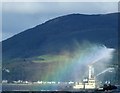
[24,54]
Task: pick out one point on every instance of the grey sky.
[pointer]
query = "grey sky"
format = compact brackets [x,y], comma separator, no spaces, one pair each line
[19,16]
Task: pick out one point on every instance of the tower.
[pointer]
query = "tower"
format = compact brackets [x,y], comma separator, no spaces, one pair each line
[91,72]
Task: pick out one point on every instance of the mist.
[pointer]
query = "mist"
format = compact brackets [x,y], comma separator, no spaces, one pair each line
[73,66]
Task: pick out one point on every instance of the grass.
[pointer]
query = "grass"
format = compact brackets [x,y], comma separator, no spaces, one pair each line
[51,58]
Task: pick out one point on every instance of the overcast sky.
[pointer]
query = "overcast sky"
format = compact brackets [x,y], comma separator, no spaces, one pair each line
[19,16]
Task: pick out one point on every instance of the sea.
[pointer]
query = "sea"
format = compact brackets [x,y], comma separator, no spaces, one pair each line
[46,88]
[34,87]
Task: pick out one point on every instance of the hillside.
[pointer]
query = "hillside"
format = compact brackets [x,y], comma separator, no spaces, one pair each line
[35,45]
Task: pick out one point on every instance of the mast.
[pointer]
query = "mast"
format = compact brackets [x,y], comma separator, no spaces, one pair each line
[91,72]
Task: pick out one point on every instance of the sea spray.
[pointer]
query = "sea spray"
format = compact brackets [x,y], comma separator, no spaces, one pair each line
[93,54]
[74,65]
[106,70]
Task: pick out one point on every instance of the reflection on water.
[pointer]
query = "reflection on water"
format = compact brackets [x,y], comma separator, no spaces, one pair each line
[52,88]
[34,87]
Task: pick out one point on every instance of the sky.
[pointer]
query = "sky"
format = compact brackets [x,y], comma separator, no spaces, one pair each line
[19,16]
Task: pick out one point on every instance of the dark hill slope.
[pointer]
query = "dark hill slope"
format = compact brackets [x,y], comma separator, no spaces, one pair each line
[60,33]
[52,37]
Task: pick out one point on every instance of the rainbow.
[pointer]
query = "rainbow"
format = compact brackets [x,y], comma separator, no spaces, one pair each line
[74,67]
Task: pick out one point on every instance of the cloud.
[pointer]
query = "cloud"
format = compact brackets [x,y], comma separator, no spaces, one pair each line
[60,0]
[20,7]
[53,7]
[0,22]
[5,35]
[19,16]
